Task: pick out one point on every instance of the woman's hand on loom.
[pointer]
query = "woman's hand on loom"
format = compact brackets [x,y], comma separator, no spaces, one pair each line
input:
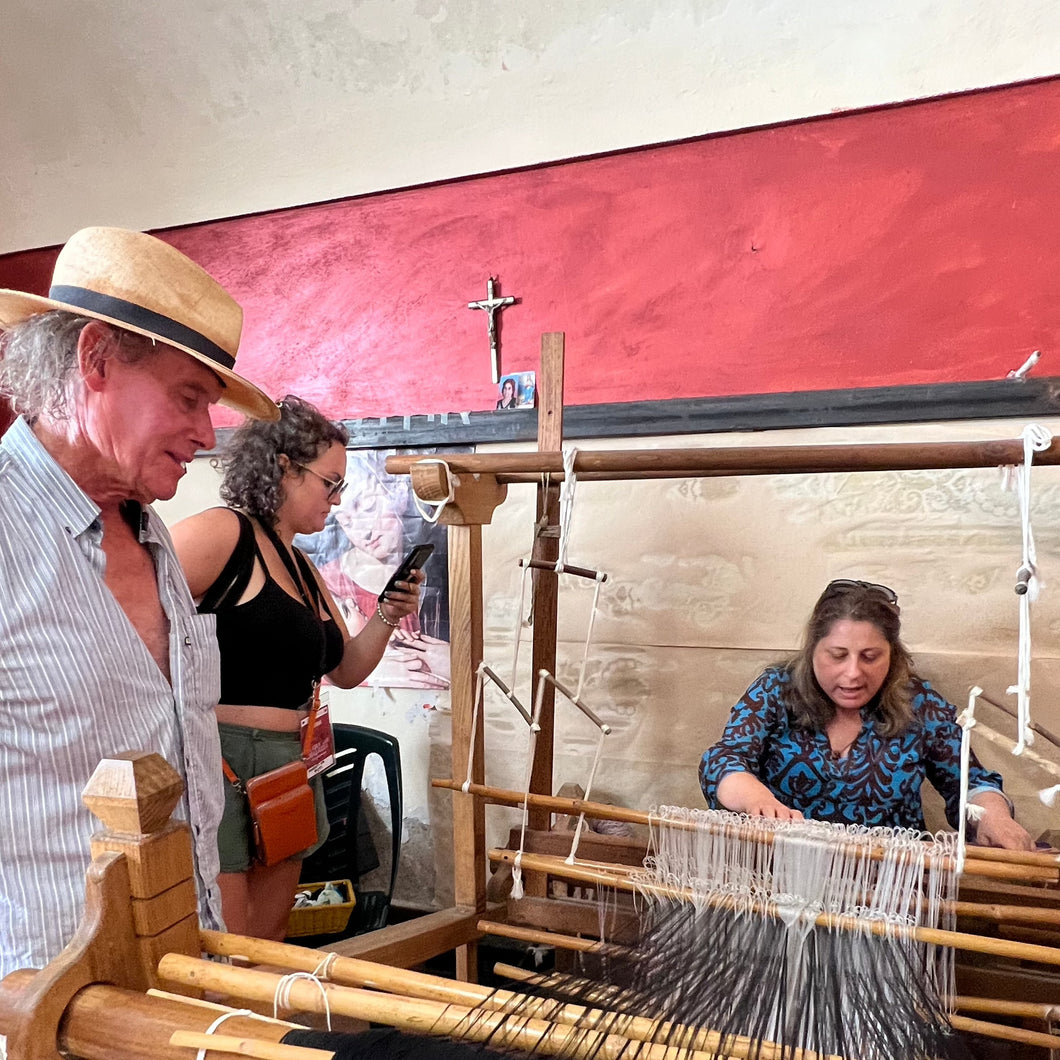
[744,793]
[996,828]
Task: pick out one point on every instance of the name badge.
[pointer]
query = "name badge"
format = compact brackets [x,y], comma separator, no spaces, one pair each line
[318,742]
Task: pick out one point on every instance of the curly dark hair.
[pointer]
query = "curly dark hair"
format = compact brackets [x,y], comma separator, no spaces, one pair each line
[253,475]
[859,602]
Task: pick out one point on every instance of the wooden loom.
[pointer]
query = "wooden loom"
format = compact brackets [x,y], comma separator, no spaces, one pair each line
[479,483]
[99,998]
[140,927]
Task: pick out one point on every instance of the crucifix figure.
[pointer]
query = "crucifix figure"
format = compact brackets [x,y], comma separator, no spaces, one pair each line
[492,305]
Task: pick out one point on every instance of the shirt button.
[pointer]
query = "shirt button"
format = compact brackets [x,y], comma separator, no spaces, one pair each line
[187,642]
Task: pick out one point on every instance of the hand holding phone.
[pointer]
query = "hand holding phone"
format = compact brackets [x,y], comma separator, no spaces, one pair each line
[415,560]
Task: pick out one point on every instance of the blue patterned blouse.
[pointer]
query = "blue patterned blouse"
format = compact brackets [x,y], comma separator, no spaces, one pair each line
[877,783]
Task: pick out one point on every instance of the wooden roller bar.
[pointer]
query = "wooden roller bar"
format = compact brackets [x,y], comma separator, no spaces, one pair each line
[432,1017]
[997,1031]
[350,972]
[98,1016]
[958,940]
[988,862]
[738,460]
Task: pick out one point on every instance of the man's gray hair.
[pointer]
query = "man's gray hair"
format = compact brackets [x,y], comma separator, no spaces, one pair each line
[39,366]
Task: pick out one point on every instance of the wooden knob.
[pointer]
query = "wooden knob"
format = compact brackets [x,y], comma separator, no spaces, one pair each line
[134,792]
[430,482]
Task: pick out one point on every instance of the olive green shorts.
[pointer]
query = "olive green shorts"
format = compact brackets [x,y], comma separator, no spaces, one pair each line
[251,752]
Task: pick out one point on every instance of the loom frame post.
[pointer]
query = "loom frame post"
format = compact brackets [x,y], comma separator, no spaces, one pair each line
[139,899]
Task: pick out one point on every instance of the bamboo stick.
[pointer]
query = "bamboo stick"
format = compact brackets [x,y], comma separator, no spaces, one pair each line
[1043,859]
[996,864]
[1009,1034]
[355,972]
[225,1043]
[1021,1009]
[932,936]
[546,938]
[431,1017]
[997,1031]
[739,460]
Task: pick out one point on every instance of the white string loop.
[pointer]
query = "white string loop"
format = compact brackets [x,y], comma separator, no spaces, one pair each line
[475,711]
[201,1054]
[430,511]
[282,997]
[967,723]
[531,748]
[566,504]
[604,731]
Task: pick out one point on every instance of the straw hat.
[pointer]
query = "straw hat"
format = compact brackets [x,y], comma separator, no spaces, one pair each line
[139,283]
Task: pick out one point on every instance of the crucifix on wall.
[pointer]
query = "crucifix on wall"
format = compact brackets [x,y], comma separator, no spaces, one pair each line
[492,305]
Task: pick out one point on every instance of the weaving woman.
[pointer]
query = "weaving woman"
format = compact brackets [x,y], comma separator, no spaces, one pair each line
[846,731]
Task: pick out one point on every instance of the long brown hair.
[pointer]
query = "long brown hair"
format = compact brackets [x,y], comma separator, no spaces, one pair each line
[858,602]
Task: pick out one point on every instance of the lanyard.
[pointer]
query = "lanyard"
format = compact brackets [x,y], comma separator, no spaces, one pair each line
[298,574]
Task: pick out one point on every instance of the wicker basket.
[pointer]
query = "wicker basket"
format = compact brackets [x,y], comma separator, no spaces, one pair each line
[323,919]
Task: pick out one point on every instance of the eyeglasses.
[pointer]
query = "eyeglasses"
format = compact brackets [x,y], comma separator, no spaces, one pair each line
[335,489]
[845,585]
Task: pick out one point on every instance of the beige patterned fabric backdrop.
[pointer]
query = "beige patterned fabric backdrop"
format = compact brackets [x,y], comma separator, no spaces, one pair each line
[708,581]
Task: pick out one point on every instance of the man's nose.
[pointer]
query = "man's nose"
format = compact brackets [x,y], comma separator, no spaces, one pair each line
[204,432]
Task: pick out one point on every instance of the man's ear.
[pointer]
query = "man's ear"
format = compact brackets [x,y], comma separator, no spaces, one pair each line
[93,351]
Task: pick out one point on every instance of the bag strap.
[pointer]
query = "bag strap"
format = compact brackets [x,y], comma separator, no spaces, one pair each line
[235,576]
[307,741]
[301,575]
[230,775]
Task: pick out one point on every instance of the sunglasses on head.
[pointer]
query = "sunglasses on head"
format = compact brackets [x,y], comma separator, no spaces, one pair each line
[335,489]
[846,585]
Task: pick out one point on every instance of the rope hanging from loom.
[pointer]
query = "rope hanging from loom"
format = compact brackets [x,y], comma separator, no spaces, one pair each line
[431,510]
[212,1029]
[566,504]
[517,865]
[567,498]
[1028,585]
[967,811]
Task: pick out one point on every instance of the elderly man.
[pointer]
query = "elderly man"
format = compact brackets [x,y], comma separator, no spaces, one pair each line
[101,649]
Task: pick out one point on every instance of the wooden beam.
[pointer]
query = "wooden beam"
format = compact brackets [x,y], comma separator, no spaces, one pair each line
[414,941]
[465,646]
[546,583]
[743,460]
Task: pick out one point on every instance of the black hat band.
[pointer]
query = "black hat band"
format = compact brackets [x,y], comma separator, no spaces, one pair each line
[136,316]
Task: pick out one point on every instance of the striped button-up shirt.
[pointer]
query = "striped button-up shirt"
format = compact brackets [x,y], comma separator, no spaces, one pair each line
[77,684]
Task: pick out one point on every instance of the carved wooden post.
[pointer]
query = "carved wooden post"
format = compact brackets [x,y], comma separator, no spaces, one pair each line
[133,794]
[139,900]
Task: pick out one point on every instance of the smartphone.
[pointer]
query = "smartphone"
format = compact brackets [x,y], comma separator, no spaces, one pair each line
[415,560]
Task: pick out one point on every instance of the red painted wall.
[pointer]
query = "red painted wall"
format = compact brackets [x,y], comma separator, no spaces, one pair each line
[914,244]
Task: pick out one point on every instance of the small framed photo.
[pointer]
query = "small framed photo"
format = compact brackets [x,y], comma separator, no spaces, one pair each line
[516,391]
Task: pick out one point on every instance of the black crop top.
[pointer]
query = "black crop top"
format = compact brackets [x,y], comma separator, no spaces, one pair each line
[273,646]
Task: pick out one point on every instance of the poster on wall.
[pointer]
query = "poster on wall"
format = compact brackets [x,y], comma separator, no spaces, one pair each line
[361,545]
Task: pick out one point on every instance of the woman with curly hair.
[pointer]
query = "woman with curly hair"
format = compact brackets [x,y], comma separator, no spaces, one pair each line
[846,731]
[278,629]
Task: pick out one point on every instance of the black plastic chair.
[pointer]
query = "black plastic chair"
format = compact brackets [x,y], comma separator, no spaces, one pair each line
[342,856]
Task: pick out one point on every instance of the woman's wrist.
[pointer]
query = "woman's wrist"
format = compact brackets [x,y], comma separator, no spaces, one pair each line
[379,612]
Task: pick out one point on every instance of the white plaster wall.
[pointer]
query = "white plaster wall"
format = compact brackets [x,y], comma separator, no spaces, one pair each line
[150,115]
